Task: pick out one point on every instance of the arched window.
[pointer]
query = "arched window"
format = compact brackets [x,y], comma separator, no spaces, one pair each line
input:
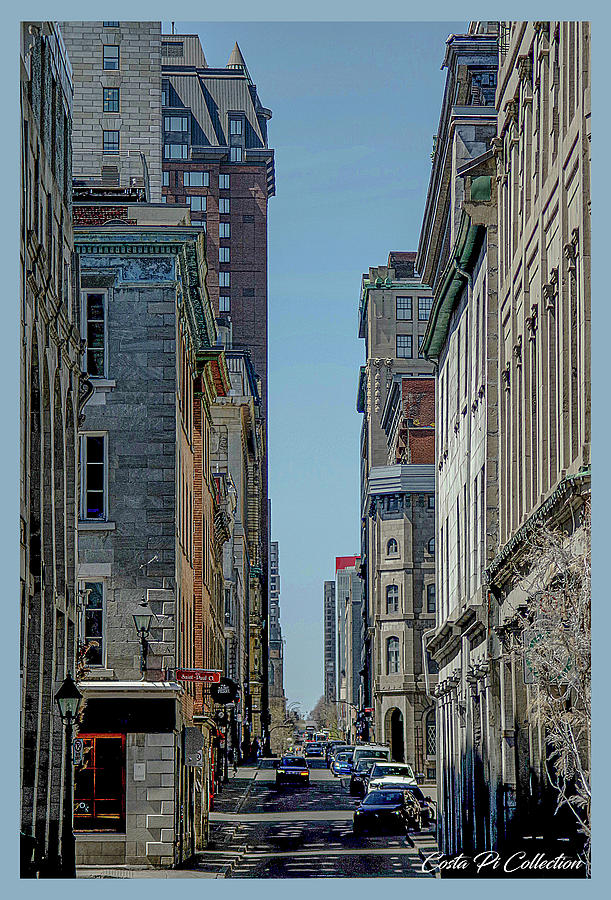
[392,656]
[432,546]
[392,547]
[431,734]
[392,598]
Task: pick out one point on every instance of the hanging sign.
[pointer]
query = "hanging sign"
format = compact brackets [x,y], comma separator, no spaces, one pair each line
[206,676]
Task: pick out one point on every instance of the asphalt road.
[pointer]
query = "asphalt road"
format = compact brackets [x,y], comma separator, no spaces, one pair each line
[259,831]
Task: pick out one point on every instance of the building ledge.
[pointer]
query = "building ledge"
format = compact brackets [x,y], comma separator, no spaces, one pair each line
[97,526]
[93,689]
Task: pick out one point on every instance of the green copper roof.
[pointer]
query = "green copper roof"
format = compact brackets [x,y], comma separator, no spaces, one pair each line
[452,282]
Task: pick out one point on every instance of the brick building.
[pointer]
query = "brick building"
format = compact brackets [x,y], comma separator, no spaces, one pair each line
[216,160]
[396,398]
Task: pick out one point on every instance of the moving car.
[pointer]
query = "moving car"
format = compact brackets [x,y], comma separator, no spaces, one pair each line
[335,747]
[292,770]
[342,764]
[358,779]
[373,751]
[312,749]
[384,773]
[419,810]
[382,812]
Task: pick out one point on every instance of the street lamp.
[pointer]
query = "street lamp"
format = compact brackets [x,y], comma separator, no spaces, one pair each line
[142,621]
[68,699]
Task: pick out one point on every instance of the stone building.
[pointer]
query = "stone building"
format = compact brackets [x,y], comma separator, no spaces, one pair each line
[153,343]
[349,601]
[216,160]
[504,298]
[542,155]
[117,107]
[279,730]
[49,405]
[393,314]
[330,643]
[237,451]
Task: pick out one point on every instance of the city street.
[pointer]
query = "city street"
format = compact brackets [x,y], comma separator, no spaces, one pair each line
[258,831]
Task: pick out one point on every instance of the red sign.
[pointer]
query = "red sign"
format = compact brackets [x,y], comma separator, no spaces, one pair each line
[208,676]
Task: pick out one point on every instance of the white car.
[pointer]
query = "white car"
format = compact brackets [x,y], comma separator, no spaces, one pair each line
[390,773]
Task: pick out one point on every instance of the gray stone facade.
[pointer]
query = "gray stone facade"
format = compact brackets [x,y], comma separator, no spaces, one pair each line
[50,379]
[330,643]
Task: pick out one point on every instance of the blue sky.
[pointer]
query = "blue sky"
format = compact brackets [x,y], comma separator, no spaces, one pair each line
[355,106]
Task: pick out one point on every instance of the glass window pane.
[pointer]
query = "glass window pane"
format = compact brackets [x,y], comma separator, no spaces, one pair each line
[95,448]
[95,363]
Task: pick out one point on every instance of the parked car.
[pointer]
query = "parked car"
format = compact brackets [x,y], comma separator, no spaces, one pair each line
[342,764]
[359,776]
[330,749]
[381,812]
[384,773]
[373,751]
[292,770]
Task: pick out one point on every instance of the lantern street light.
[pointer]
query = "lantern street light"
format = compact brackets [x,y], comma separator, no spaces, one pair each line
[142,621]
[68,699]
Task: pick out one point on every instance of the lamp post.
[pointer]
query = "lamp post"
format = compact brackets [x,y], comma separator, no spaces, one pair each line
[142,621]
[68,699]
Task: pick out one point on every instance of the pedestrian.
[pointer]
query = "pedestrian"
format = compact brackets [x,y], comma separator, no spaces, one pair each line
[254,750]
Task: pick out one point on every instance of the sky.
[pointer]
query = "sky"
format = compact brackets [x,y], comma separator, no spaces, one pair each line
[355,107]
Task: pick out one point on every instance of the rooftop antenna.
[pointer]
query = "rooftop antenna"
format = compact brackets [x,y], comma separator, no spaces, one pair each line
[173,32]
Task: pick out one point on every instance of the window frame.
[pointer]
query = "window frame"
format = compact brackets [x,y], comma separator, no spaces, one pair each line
[108,58]
[165,178]
[408,338]
[224,279]
[83,587]
[396,655]
[224,206]
[183,147]
[95,826]
[409,317]
[168,128]
[431,546]
[200,202]
[83,517]
[392,599]
[84,330]
[224,184]
[224,230]
[187,178]
[224,255]
[237,122]
[224,303]
[431,597]
[390,551]
[235,154]
[114,149]
[429,302]
[106,101]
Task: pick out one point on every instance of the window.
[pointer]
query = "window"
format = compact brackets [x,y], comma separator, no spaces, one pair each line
[224,205]
[430,598]
[431,734]
[224,254]
[99,784]
[110,24]
[92,628]
[224,230]
[235,154]
[392,656]
[166,179]
[392,547]
[404,346]
[171,48]
[175,151]
[224,304]
[235,126]
[95,334]
[392,598]
[196,179]
[164,97]
[164,199]
[110,141]
[175,123]
[111,99]
[224,182]
[93,456]
[431,546]
[404,308]
[420,343]
[197,204]
[223,279]
[110,58]
[430,501]
[425,305]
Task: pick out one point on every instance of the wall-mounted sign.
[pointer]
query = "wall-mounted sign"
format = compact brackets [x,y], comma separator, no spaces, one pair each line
[206,676]
[225,691]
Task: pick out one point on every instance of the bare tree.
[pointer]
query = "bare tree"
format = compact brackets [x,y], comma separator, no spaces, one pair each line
[325,715]
[556,650]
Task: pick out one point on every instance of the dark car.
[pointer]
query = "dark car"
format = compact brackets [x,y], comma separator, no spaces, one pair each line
[331,748]
[359,776]
[418,810]
[381,812]
[292,770]
[313,750]
[339,748]
[342,763]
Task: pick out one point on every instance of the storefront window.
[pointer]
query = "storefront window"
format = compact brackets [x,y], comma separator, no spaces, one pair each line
[99,784]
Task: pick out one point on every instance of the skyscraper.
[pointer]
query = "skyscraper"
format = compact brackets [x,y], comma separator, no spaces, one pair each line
[330,643]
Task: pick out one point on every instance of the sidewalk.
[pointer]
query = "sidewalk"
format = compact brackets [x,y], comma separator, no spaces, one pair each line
[217,862]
